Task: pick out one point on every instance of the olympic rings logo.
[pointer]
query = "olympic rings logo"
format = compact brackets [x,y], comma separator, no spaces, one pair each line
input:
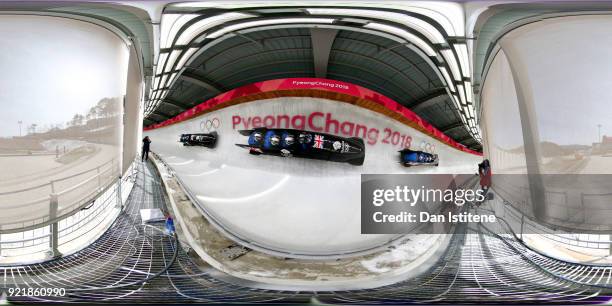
[428,147]
[209,124]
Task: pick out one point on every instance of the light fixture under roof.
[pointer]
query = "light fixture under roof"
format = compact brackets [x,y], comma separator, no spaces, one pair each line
[417,24]
[252,24]
[185,57]
[468,91]
[355,20]
[163,81]
[449,58]
[160,62]
[415,40]
[456,102]
[462,53]
[465,111]
[471,111]
[171,79]
[461,94]
[201,26]
[170,25]
[447,79]
[171,60]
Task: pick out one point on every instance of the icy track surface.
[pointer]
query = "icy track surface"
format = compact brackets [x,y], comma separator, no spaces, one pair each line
[292,205]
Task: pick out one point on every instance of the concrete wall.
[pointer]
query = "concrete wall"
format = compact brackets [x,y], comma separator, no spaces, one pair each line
[289,204]
[70,84]
[544,99]
[132,118]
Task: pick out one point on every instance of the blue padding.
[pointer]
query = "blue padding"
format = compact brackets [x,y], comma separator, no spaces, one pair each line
[411,157]
[252,141]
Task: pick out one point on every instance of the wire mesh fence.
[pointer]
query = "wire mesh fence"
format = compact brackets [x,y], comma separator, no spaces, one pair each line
[83,218]
[135,263]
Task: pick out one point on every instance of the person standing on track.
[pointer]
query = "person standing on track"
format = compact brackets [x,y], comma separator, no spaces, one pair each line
[484,171]
[146,145]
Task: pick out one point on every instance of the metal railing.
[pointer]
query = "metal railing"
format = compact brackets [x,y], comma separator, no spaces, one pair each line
[522,224]
[78,223]
[87,199]
[588,210]
[62,197]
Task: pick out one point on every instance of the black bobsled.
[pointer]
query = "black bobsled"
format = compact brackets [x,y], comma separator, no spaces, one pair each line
[203,140]
[304,144]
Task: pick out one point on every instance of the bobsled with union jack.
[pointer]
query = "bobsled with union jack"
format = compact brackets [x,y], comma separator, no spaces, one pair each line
[304,144]
[411,158]
[204,140]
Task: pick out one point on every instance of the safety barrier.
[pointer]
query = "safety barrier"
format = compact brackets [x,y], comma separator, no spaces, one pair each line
[389,244]
[522,225]
[63,196]
[589,210]
[80,207]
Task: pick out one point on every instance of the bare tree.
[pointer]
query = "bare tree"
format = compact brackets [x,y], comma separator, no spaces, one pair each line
[32,128]
[77,120]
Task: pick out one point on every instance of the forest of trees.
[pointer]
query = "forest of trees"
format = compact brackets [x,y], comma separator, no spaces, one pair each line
[100,124]
[105,108]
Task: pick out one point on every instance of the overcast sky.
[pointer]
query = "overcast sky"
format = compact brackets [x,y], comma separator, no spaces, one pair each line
[52,68]
[570,71]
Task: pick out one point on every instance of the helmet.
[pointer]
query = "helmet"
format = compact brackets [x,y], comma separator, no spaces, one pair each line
[275,140]
[337,145]
[257,136]
[289,139]
[305,138]
[422,157]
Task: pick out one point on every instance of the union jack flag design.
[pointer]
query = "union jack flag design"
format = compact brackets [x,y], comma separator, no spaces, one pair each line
[318,142]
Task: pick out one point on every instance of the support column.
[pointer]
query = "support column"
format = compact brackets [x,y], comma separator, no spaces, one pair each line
[529,125]
[53,227]
[322,40]
[119,194]
[132,116]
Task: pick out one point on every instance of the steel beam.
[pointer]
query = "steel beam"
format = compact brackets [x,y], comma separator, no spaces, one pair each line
[158,116]
[322,40]
[196,80]
[451,127]
[158,111]
[429,100]
[174,104]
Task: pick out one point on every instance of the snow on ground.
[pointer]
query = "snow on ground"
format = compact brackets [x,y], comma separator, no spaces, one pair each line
[408,251]
[69,144]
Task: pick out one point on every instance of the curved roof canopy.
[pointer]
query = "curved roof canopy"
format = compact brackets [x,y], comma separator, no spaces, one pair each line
[501,18]
[407,56]
[131,23]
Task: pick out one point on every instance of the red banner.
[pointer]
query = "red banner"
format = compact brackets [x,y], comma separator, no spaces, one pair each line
[315,84]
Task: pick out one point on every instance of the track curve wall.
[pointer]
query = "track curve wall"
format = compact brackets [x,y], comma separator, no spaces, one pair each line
[296,207]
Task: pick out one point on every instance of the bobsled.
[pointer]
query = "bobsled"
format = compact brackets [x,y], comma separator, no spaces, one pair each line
[410,158]
[203,140]
[304,144]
